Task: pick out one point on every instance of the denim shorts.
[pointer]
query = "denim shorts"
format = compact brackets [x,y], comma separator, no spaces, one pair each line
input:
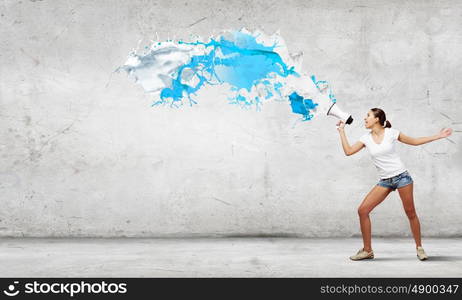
[397,181]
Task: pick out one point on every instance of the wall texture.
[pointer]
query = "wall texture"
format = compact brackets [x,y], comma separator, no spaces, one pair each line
[84,154]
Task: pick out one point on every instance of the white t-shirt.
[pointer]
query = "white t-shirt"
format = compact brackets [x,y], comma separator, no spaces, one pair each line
[383,155]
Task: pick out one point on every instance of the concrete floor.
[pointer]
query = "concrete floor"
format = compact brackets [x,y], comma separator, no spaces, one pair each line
[225,257]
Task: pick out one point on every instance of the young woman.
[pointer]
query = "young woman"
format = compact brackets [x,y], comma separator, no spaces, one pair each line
[393,174]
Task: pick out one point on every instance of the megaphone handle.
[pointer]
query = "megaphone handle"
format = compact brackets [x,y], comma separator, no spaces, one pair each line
[349,121]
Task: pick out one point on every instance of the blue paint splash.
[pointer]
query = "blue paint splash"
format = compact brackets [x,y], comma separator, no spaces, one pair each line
[302,106]
[254,71]
[322,84]
[241,62]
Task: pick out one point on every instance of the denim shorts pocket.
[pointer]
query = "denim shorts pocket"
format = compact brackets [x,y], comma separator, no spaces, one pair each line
[404,180]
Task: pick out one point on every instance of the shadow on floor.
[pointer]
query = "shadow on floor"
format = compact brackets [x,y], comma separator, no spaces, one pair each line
[444,258]
[391,258]
[430,258]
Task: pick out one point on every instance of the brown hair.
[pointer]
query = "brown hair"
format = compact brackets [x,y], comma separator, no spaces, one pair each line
[378,113]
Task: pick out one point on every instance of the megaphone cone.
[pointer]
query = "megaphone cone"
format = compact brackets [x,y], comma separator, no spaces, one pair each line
[335,111]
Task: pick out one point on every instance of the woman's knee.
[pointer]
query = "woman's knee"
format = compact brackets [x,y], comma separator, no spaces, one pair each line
[363,211]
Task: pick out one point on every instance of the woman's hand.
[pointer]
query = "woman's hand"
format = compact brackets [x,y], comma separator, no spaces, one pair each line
[340,125]
[445,132]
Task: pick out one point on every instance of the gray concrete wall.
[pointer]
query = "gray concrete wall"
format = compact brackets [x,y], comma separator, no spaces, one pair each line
[84,154]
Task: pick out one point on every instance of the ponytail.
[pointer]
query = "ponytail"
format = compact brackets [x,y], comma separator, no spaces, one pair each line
[378,113]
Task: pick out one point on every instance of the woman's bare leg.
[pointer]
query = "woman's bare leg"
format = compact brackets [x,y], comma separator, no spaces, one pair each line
[406,194]
[375,196]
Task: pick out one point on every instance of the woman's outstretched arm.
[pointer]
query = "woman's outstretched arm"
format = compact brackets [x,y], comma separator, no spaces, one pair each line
[445,132]
[349,150]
